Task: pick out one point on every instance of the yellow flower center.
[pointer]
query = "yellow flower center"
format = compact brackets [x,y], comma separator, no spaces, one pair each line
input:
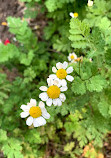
[75,15]
[35,111]
[53,92]
[61,73]
[72,56]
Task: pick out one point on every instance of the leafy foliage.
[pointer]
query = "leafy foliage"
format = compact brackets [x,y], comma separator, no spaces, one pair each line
[8,52]
[4,88]
[99,10]
[85,116]
[23,33]
[79,33]
[56,4]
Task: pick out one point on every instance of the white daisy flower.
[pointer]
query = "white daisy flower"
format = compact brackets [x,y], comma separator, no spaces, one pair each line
[52,94]
[37,114]
[90,3]
[62,73]
[73,15]
[72,57]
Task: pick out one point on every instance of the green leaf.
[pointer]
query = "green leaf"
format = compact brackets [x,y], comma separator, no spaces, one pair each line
[96,83]
[23,33]
[29,74]
[69,146]
[79,32]
[8,52]
[78,86]
[33,137]
[4,88]
[97,43]
[62,44]
[26,59]
[49,30]
[12,148]
[3,136]
[103,107]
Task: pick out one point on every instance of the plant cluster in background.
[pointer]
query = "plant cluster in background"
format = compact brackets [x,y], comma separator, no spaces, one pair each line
[80,124]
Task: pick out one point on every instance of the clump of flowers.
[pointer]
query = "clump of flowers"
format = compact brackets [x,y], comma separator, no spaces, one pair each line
[37,114]
[73,15]
[52,94]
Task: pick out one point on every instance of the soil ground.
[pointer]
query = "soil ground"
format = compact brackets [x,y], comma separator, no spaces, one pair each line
[9,8]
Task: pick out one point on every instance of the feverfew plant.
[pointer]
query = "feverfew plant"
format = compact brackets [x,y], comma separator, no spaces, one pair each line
[74,108]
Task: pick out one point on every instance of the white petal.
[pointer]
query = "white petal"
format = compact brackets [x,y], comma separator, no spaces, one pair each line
[59,103]
[33,102]
[62,97]
[63,82]
[40,121]
[53,76]
[65,65]
[69,70]
[25,108]
[24,114]
[75,56]
[36,122]
[59,65]
[69,58]
[43,88]
[43,96]
[50,81]
[29,121]
[49,102]
[72,15]
[57,82]
[64,88]
[45,114]
[69,78]
[90,3]
[55,102]
[41,104]
[54,69]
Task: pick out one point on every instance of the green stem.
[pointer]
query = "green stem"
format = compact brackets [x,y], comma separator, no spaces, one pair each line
[79,67]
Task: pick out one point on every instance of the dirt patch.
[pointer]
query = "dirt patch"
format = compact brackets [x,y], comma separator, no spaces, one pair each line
[9,8]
